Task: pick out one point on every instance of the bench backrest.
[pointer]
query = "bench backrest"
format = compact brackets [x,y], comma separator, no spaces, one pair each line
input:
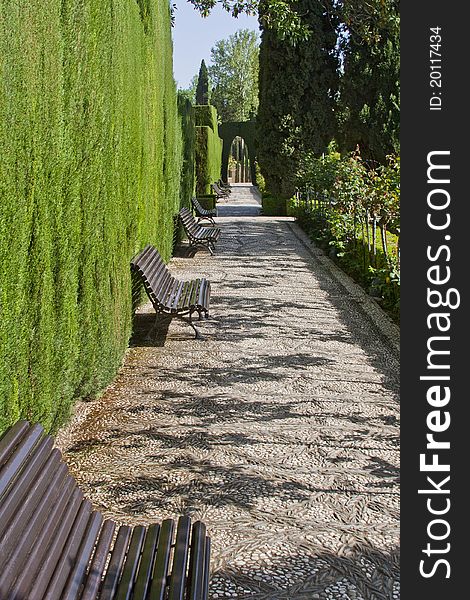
[201,210]
[189,222]
[43,517]
[197,205]
[155,275]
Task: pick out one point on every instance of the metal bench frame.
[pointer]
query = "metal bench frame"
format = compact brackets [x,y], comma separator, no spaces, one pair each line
[203,214]
[199,235]
[54,546]
[171,296]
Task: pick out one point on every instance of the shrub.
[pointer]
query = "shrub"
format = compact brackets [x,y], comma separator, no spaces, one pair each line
[208,159]
[274,207]
[352,212]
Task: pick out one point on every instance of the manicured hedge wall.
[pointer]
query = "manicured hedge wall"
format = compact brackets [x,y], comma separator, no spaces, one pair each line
[206,116]
[90,166]
[208,159]
[187,115]
[208,148]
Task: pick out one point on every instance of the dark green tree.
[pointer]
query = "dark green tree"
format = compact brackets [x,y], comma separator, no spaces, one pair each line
[298,84]
[203,86]
[234,76]
[278,15]
[369,99]
[327,68]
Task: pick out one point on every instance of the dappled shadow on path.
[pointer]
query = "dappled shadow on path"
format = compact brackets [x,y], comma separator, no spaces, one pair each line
[279,430]
[358,571]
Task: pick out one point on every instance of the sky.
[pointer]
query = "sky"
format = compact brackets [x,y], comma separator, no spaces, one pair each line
[193,37]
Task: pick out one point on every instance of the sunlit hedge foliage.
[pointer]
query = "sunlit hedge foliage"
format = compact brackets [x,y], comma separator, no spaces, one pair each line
[90,166]
[208,148]
[187,115]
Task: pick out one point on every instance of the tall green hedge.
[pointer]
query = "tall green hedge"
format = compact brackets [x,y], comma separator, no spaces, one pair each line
[208,159]
[187,115]
[208,148]
[90,165]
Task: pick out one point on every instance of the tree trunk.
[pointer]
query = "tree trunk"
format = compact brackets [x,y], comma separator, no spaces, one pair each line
[383,233]
[374,242]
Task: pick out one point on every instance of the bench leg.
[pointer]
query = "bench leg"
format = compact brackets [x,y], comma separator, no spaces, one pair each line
[203,312]
[189,320]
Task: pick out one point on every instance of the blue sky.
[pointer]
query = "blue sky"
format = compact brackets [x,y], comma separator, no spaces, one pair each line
[193,37]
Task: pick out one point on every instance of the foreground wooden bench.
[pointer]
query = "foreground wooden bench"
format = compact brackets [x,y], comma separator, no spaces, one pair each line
[169,295]
[54,546]
[203,214]
[197,234]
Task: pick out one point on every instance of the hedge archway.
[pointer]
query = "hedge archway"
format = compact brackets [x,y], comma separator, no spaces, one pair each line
[246,130]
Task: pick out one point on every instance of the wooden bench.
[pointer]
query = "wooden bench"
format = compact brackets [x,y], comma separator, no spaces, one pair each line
[197,234]
[169,295]
[54,546]
[203,214]
[224,186]
[219,192]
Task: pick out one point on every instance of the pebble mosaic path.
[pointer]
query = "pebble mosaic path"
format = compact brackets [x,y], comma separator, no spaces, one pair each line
[279,429]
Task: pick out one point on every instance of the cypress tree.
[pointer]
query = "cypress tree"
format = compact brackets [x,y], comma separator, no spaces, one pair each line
[298,84]
[369,109]
[202,90]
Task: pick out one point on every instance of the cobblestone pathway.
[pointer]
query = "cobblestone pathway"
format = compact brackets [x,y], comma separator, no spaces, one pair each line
[279,429]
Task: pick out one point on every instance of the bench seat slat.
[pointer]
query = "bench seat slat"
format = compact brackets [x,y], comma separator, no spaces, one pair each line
[98,563]
[126,584]
[193,296]
[55,549]
[87,545]
[40,547]
[11,466]
[162,560]
[198,555]
[23,482]
[205,587]
[184,299]
[69,553]
[178,579]
[116,562]
[174,297]
[179,300]
[144,577]
[12,438]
